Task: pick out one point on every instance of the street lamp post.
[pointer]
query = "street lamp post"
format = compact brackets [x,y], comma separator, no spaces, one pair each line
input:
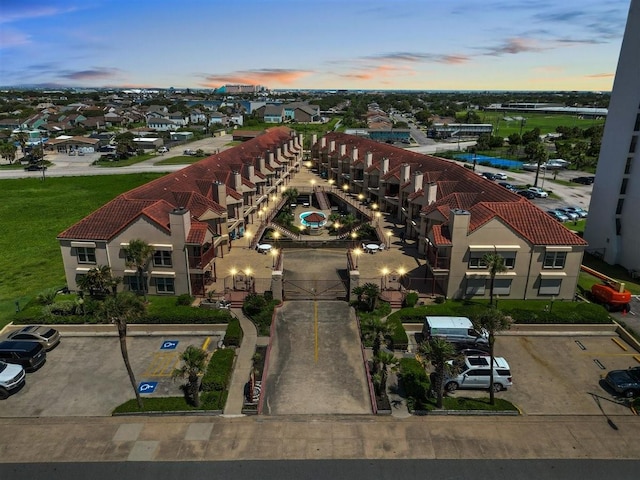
[233,272]
[354,236]
[357,252]
[389,239]
[383,279]
[274,254]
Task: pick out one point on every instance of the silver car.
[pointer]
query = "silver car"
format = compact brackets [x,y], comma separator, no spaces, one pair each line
[475,373]
[48,337]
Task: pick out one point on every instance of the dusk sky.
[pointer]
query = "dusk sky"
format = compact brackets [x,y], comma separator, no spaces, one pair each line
[313,44]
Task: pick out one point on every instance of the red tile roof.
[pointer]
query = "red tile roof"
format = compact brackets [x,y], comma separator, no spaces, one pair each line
[189,187]
[198,233]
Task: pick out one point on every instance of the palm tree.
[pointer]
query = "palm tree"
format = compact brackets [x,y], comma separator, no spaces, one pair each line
[438,352]
[385,362]
[21,138]
[194,363]
[120,309]
[291,194]
[375,330]
[137,255]
[8,151]
[371,292]
[495,264]
[97,281]
[491,321]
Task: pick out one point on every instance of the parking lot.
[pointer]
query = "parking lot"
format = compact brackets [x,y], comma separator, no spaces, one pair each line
[86,376]
[560,374]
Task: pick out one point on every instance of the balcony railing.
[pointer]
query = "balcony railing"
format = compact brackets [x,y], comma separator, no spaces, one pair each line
[438,263]
[202,261]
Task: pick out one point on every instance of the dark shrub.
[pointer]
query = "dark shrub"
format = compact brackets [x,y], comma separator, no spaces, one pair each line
[439,299]
[233,335]
[253,304]
[415,381]
[184,300]
[411,299]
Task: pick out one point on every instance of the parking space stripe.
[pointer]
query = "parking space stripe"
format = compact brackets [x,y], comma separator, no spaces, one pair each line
[162,364]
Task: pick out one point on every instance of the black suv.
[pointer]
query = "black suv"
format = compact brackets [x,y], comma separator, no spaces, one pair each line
[584,180]
[31,355]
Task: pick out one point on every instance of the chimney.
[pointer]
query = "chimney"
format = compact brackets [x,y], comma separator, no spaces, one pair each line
[314,139]
[180,224]
[249,171]
[405,173]
[343,150]
[237,182]
[219,193]
[354,154]
[279,154]
[418,179]
[271,159]
[432,193]
[299,141]
[285,149]
[384,166]
[261,166]
[323,142]
[458,223]
[368,160]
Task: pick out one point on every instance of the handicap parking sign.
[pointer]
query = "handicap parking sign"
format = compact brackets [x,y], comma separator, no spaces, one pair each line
[147,387]
[169,345]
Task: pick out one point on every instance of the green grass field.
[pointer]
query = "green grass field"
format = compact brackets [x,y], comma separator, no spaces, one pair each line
[545,122]
[33,213]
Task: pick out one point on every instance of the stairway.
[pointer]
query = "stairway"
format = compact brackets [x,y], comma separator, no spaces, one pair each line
[323,200]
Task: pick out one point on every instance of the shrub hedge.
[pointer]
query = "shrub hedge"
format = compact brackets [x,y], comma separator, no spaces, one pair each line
[415,382]
[215,382]
[233,335]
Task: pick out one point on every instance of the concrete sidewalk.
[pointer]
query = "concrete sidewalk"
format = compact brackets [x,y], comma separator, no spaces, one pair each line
[200,438]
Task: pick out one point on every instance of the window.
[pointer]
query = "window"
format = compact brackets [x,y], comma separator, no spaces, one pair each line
[618,226]
[502,286]
[162,258]
[627,167]
[509,259]
[165,285]
[475,286]
[133,282]
[475,260]
[86,254]
[619,206]
[636,127]
[549,286]
[623,187]
[634,142]
[554,259]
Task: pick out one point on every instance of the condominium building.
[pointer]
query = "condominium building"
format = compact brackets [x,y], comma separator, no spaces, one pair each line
[613,229]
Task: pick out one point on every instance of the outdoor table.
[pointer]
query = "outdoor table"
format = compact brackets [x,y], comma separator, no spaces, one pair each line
[264,247]
[372,247]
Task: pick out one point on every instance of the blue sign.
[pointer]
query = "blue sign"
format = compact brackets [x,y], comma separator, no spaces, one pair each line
[169,345]
[147,387]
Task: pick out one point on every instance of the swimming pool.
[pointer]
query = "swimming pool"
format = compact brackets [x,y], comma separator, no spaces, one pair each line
[493,161]
[313,219]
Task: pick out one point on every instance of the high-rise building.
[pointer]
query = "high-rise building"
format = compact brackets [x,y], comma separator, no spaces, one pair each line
[613,228]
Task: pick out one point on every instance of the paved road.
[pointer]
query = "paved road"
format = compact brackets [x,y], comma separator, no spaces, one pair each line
[330,469]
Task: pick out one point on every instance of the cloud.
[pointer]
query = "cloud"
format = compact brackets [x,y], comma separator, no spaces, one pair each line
[601,75]
[14,10]
[378,72]
[94,74]
[548,69]
[12,38]
[413,57]
[263,76]
[513,46]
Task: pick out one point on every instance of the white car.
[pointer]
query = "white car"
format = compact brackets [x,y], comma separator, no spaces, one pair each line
[163,150]
[11,378]
[475,373]
[500,176]
[538,192]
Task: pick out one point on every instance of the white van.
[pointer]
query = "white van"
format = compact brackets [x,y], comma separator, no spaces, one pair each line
[474,372]
[455,330]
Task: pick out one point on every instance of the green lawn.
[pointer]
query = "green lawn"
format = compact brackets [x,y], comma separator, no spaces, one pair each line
[614,271]
[33,213]
[125,163]
[547,123]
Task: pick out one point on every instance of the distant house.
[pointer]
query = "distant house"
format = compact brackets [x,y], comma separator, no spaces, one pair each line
[273,114]
[162,124]
[179,118]
[302,112]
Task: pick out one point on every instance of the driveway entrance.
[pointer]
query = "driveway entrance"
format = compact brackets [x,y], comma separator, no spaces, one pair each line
[315,365]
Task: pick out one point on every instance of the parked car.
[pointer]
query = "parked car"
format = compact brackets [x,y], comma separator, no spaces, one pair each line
[508,186]
[500,176]
[188,151]
[584,180]
[568,213]
[475,373]
[488,175]
[559,216]
[11,378]
[527,194]
[624,382]
[31,355]
[473,352]
[34,167]
[581,212]
[163,150]
[48,337]
[538,192]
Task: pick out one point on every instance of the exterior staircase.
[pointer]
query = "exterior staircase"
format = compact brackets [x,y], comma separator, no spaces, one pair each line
[323,200]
